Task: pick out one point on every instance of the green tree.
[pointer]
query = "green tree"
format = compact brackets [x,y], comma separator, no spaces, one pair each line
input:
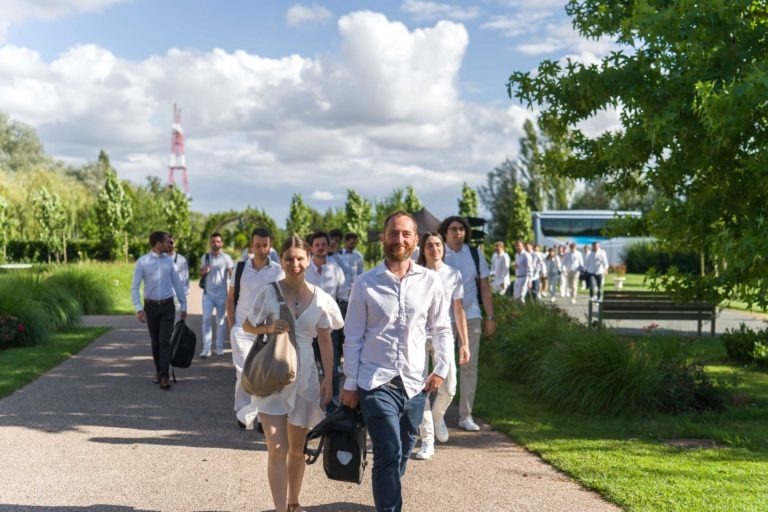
[5,224]
[690,81]
[20,147]
[358,213]
[177,216]
[299,218]
[52,217]
[113,212]
[498,197]
[411,203]
[468,201]
[520,220]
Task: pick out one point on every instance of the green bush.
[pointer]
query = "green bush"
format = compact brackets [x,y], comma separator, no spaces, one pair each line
[14,301]
[642,256]
[595,371]
[746,346]
[90,289]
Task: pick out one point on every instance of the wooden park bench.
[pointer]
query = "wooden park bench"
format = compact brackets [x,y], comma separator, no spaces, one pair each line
[644,305]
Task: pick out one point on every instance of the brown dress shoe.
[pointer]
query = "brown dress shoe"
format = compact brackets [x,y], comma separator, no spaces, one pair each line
[165,383]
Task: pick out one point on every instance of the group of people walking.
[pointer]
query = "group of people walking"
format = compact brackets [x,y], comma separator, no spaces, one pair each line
[543,274]
[388,323]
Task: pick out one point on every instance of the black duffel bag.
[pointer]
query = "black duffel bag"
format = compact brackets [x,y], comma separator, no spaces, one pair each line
[342,437]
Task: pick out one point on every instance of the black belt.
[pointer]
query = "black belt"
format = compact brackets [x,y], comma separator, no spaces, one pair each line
[151,302]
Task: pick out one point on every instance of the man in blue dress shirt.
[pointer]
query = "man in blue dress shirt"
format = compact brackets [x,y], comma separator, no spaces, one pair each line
[160,279]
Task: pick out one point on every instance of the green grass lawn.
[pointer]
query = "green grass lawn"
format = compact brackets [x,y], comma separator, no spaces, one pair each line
[625,458]
[20,366]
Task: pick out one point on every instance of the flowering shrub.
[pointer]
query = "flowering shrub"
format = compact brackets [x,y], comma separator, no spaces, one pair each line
[13,332]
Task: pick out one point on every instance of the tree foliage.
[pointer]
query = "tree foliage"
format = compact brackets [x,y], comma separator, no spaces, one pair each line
[468,201]
[691,83]
[358,213]
[113,212]
[20,147]
[52,217]
[519,223]
[299,221]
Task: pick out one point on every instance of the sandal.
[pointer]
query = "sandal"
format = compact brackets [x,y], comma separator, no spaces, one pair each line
[294,507]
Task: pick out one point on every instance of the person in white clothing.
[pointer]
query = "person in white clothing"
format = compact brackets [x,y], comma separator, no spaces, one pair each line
[473,266]
[573,264]
[554,269]
[523,272]
[563,274]
[250,279]
[597,266]
[391,309]
[289,413]
[431,255]
[324,272]
[181,265]
[215,269]
[500,263]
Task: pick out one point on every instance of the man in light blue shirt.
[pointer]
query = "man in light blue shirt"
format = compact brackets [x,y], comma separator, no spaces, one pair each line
[156,270]
[391,310]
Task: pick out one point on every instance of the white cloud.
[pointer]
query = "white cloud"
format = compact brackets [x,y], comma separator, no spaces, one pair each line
[307,15]
[560,37]
[382,113]
[516,25]
[18,11]
[433,11]
[322,195]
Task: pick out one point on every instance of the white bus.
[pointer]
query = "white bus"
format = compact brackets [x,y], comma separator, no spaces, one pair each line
[561,227]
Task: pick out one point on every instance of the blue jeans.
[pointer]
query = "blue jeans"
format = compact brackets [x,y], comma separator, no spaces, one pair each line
[393,423]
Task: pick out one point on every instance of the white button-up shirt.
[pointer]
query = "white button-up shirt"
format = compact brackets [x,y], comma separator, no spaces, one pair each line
[251,282]
[597,262]
[573,260]
[160,280]
[386,329]
[523,265]
[330,278]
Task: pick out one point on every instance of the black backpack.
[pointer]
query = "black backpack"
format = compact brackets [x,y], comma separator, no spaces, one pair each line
[183,341]
[342,437]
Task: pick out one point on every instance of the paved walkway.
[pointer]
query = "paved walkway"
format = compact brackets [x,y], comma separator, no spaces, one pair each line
[726,319]
[95,434]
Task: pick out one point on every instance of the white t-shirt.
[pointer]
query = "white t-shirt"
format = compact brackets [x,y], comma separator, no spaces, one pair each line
[452,285]
[462,261]
[251,282]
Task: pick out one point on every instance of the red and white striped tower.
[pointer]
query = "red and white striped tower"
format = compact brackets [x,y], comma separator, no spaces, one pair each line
[178,160]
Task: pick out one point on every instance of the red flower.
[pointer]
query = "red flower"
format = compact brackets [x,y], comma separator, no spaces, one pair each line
[21,328]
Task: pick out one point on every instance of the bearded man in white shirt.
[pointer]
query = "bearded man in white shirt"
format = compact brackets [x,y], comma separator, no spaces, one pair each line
[391,309]
[500,263]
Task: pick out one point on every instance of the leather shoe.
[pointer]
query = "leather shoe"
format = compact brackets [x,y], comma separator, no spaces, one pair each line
[165,383]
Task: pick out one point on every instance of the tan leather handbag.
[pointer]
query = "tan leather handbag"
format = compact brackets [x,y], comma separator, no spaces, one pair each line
[272,362]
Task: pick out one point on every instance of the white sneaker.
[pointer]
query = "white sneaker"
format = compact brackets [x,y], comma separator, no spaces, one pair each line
[468,424]
[427,450]
[573,301]
[204,354]
[441,431]
[220,352]
[553,299]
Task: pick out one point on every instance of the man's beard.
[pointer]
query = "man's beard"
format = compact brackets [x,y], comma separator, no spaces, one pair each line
[398,252]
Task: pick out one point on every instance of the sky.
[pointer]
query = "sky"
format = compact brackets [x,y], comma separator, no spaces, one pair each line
[279,98]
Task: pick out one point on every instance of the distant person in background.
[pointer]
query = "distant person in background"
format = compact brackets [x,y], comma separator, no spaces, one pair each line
[561,250]
[161,281]
[554,269]
[584,275]
[181,265]
[597,267]
[537,269]
[325,273]
[523,272]
[573,265]
[500,263]
[215,268]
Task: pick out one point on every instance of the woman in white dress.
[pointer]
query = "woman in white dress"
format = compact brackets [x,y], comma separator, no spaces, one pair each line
[431,255]
[288,414]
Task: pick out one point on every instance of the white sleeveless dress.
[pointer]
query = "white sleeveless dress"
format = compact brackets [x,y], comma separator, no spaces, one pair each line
[301,399]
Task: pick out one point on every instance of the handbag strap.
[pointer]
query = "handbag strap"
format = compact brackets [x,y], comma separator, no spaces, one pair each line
[285,313]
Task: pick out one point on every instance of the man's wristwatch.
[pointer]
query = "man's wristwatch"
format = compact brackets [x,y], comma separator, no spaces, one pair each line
[489,317]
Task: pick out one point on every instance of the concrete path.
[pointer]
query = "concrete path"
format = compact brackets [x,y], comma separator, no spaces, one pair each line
[96,434]
[726,319]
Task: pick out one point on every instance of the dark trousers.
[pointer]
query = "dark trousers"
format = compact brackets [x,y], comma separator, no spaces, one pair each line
[393,424]
[533,293]
[160,324]
[596,285]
